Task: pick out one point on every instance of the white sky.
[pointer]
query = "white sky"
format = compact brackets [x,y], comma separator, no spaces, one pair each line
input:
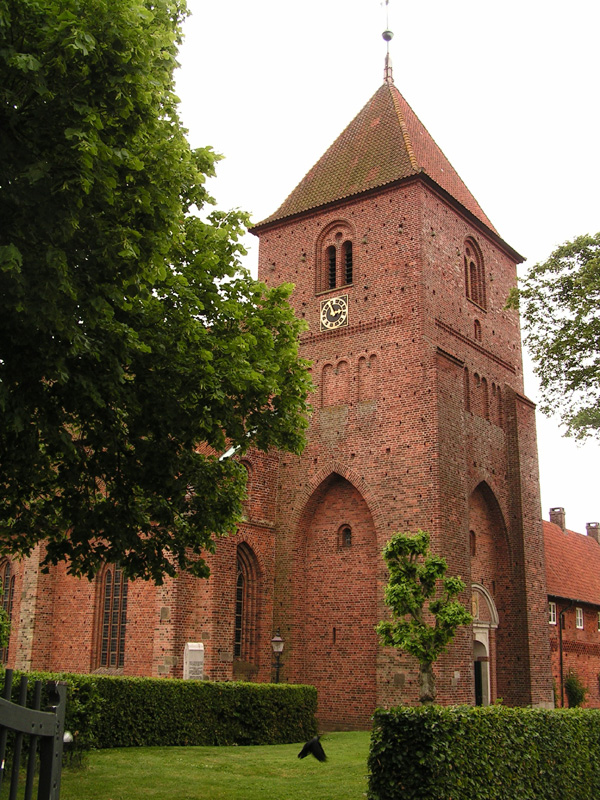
[509,90]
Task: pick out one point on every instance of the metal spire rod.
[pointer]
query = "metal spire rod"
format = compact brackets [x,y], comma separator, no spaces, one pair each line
[387,36]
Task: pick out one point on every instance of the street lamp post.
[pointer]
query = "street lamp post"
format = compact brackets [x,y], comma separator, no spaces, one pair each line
[277,645]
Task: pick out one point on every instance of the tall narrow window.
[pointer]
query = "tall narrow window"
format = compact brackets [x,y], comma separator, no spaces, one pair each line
[579,618]
[7,580]
[114,618]
[347,252]
[332,266]
[474,273]
[552,613]
[239,614]
[247,603]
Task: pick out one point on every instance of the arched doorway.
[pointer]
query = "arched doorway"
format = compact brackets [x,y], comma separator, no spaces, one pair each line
[485,622]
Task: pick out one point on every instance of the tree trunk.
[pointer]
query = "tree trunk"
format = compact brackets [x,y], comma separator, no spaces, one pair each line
[427,684]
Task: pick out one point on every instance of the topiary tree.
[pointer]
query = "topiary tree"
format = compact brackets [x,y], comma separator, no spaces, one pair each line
[424,619]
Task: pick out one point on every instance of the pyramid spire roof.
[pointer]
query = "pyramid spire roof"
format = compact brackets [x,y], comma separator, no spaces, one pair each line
[385,143]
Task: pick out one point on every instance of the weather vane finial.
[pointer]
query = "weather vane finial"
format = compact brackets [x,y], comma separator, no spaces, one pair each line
[387,36]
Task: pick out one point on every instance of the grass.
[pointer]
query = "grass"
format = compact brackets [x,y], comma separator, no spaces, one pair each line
[223,773]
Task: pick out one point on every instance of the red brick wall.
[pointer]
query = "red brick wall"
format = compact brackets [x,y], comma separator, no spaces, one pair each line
[580,650]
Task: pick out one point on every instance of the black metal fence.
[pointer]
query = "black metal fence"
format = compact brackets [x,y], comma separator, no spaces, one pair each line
[39,732]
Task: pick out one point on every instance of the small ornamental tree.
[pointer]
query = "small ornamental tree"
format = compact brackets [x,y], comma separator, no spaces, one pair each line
[424,619]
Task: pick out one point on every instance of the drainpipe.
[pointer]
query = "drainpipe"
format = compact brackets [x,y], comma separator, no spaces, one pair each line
[560,652]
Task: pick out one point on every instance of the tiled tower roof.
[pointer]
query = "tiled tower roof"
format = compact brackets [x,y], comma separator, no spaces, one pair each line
[386,142]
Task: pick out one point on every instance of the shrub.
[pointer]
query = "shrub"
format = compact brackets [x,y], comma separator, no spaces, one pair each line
[493,753]
[109,711]
[575,690]
[84,704]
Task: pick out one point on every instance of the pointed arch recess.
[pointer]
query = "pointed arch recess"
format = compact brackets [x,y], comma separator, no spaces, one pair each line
[335,597]
[497,515]
[298,510]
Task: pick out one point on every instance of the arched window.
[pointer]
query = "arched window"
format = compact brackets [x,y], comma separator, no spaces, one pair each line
[477,330]
[335,257]
[247,600]
[345,536]
[113,618]
[7,579]
[474,274]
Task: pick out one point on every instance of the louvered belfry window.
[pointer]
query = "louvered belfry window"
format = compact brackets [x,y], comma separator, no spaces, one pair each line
[335,257]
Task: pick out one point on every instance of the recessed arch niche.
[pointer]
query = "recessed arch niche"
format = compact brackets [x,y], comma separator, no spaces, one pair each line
[336,603]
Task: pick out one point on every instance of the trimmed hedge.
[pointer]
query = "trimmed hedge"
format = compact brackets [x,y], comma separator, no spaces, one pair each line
[157,711]
[108,711]
[494,753]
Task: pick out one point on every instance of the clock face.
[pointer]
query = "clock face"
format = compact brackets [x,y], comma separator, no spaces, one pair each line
[334,312]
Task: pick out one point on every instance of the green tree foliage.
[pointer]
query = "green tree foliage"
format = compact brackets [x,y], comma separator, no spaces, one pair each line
[559,301]
[425,613]
[575,690]
[4,625]
[133,348]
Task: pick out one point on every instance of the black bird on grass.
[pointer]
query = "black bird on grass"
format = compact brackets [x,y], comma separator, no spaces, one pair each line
[314,748]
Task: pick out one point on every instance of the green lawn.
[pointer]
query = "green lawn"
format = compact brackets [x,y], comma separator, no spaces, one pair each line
[223,773]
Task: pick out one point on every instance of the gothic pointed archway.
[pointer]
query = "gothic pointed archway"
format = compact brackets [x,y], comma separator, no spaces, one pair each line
[492,596]
[335,603]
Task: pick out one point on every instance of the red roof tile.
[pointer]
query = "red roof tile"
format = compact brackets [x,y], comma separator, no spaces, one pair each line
[572,564]
[385,142]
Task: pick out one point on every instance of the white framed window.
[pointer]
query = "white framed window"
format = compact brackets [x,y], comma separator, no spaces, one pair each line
[599,620]
[552,613]
[579,618]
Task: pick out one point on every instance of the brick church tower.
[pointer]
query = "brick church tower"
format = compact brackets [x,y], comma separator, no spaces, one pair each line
[419,422]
